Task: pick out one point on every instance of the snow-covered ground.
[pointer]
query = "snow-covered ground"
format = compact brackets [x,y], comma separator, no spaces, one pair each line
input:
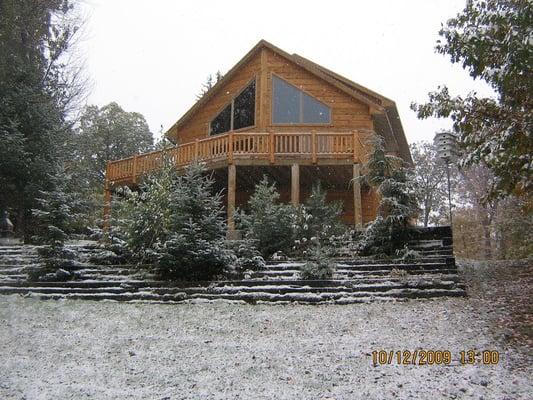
[106,350]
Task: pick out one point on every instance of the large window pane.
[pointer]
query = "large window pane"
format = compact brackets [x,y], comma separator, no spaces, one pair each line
[285,102]
[314,112]
[222,122]
[292,106]
[244,108]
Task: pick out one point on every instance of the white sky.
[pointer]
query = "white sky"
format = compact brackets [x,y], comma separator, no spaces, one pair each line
[152,56]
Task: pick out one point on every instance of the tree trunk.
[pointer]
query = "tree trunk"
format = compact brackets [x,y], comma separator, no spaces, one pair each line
[486,240]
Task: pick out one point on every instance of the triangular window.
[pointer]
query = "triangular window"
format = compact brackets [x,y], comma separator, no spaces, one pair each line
[238,114]
[291,105]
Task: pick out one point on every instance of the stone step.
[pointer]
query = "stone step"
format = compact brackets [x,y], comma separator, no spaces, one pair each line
[347,264]
[354,276]
[11,271]
[282,289]
[139,283]
[364,271]
[254,297]
[60,290]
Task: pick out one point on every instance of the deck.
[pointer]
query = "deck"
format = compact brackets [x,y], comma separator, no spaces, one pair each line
[250,148]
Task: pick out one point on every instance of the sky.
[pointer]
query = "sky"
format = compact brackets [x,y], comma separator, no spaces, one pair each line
[152,56]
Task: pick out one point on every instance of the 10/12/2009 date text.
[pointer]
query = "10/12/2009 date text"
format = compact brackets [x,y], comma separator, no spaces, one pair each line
[434,357]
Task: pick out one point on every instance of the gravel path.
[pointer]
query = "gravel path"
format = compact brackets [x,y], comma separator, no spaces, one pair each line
[82,349]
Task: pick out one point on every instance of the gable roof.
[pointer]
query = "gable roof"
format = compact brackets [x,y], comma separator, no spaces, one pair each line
[382,106]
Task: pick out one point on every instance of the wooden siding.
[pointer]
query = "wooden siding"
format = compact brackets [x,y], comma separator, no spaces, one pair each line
[347,113]
[198,126]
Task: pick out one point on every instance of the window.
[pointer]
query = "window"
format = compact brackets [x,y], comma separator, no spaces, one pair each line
[240,113]
[292,106]
[244,108]
[222,122]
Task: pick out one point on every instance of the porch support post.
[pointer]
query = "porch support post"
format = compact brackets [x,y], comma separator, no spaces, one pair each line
[295,184]
[357,207]
[232,180]
[107,209]
[107,199]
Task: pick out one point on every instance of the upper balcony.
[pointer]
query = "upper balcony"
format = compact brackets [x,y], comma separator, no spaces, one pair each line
[250,148]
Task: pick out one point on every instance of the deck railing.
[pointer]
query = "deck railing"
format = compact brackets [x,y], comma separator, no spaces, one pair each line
[351,146]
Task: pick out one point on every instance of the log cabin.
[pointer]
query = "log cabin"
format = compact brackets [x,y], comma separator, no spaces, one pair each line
[284,116]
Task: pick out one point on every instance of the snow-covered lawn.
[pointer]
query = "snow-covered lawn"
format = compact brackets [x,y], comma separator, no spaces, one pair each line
[106,350]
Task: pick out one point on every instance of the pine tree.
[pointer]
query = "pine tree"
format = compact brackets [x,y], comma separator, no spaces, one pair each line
[144,215]
[38,91]
[194,248]
[57,214]
[398,203]
[325,217]
[268,221]
[209,83]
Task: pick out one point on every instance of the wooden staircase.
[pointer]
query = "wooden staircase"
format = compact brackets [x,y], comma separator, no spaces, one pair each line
[433,274]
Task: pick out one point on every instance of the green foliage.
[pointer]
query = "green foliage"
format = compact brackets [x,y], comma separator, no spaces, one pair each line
[143,218]
[195,248]
[268,222]
[37,92]
[318,266]
[492,40]
[209,83]
[108,133]
[176,222]
[283,228]
[247,256]
[57,214]
[317,220]
[325,218]
[397,207]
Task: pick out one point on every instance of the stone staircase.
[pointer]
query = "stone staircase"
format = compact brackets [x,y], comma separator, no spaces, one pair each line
[432,274]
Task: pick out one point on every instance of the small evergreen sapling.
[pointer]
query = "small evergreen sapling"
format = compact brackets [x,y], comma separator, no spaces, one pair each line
[318,266]
[268,222]
[317,220]
[57,213]
[143,217]
[247,257]
[194,248]
[398,203]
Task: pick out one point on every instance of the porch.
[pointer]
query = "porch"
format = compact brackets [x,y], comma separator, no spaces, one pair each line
[269,149]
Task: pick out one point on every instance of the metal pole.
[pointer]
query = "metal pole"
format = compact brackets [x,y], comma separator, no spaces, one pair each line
[449,191]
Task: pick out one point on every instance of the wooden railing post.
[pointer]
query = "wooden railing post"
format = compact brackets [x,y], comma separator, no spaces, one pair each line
[313,146]
[196,149]
[230,148]
[272,147]
[134,178]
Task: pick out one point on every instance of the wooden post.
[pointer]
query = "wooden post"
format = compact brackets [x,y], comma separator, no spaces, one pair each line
[355,148]
[271,147]
[232,180]
[295,184]
[357,207]
[230,148]
[313,146]
[134,180]
[196,149]
[107,200]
